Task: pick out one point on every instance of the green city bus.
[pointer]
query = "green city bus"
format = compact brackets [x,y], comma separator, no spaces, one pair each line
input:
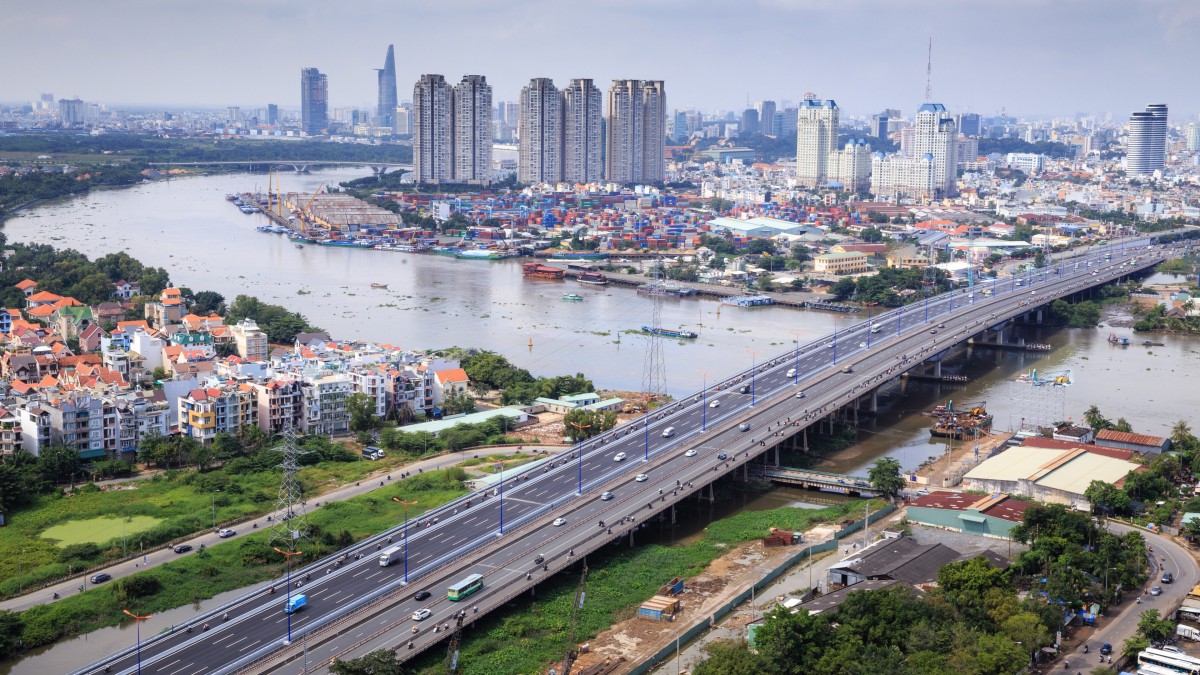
[465,587]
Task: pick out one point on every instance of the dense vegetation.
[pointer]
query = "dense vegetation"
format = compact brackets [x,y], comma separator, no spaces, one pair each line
[142,149]
[888,287]
[1006,145]
[516,385]
[973,622]
[279,323]
[1156,319]
[69,272]
[19,189]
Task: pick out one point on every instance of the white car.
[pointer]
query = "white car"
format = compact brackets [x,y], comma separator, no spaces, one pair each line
[422,614]
[226,533]
[619,457]
[642,478]
[606,496]
[715,404]
[559,522]
[690,453]
[800,394]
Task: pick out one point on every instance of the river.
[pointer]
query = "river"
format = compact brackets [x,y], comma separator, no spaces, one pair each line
[186,226]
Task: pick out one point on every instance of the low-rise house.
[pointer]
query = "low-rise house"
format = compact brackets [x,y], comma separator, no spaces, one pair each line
[988,516]
[1139,443]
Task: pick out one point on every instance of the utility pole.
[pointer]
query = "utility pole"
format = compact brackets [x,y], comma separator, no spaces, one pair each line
[572,648]
[455,639]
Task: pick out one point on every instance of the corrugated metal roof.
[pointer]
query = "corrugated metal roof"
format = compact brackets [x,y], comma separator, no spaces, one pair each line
[1126,437]
[1075,476]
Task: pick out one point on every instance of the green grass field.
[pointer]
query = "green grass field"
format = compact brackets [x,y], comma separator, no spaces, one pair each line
[98,530]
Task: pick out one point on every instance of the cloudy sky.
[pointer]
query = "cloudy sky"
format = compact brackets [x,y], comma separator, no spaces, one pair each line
[1034,57]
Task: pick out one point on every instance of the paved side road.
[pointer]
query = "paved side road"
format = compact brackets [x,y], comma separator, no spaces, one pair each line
[158,557]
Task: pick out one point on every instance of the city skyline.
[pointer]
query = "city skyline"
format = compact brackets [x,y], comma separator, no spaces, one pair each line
[1049,71]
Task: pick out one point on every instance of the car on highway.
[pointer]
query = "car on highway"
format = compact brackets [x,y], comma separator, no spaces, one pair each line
[715,404]
[722,456]
[847,369]
[539,559]
[1168,578]
[605,496]
[941,325]
[922,492]
[933,331]
[422,595]
[100,578]
[422,614]
[559,522]
[642,478]
[791,372]
[690,453]
[619,457]
[1106,648]
[183,548]
[226,533]
[1156,590]
[744,426]
[799,394]
[744,389]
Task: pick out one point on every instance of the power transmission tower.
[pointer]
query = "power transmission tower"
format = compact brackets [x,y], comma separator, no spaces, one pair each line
[455,639]
[572,648]
[291,525]
[654,370]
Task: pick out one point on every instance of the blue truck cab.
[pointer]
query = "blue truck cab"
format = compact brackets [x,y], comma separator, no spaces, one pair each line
[295,603]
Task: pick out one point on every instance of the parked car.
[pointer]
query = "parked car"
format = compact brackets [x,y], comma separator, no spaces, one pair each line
[183,548]
[226,533]
[422,595]
[101,577]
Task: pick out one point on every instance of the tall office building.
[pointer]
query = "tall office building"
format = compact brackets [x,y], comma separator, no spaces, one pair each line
[1147,144]
[540,149]
[432,130]
[1193,136]
[385,109]
[272,114]
[679,127]
[879,126]
[314,101]
[970,124]
[635,146]
[936,134]
[816,137]
[766,118]
[583,114]
[471,137]
[789,118]
[749,122]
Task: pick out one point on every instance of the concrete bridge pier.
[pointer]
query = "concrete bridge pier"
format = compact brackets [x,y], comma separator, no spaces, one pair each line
[937,368]
[1039,315]
[379,171]
[874,401]
[672,513]
[300,168]
[776,455]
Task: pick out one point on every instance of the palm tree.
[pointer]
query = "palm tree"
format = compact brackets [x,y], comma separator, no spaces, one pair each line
[1094,419]
[1181,433]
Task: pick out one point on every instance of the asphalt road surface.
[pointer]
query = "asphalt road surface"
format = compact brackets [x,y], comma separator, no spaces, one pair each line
[500,535]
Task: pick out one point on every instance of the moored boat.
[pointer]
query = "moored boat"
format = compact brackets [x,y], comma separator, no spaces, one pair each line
[592,278]
[540,271]
[670,332]
[572,297]
[379,285]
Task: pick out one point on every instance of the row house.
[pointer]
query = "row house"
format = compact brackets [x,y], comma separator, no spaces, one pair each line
[10,432]
[204,413]
[85,423]
[373,382]
[325,404]
[141,415]
[250,340]
[279,404]
[167,310]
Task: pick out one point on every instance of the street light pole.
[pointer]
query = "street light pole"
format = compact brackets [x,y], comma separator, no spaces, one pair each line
[579,450]
[138,620]
[753,372]
[704,401]
[214,508]
[404,532]
[288,606]
[500,466]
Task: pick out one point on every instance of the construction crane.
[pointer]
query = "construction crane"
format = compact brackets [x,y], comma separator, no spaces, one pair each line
[455,639]
[572,647]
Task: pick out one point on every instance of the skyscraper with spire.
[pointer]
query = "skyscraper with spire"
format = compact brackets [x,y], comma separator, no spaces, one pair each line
[386,110]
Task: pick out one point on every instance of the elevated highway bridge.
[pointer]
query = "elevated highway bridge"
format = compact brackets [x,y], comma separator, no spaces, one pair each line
[537,522]
[297,165]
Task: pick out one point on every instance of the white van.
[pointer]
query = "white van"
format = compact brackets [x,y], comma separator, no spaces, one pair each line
[668,432]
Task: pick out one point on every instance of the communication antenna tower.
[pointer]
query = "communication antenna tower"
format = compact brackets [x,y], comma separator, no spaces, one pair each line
[654,370]
[929,73]
[291,525]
